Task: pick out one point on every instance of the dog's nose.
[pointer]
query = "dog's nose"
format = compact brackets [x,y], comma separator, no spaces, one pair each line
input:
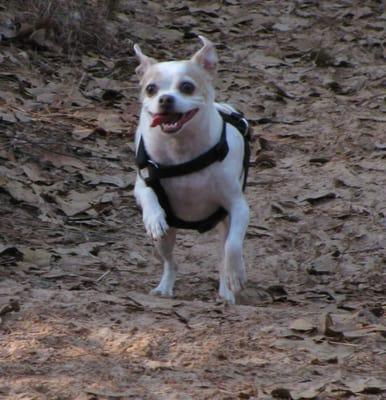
[166,102]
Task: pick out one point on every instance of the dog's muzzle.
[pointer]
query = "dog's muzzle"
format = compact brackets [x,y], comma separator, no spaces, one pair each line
[166,103]
[172,122]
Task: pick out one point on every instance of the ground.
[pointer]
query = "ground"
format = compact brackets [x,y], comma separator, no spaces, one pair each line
[76,267]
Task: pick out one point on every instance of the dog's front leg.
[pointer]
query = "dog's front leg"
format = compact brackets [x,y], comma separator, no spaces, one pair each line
[232,269]
[224,292]
[153,214]
[165,247]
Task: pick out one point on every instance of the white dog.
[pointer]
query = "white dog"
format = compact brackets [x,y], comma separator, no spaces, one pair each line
[192,156]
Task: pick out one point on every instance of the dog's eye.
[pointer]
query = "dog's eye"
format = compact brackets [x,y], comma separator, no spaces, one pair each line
[186,87]
[151,89]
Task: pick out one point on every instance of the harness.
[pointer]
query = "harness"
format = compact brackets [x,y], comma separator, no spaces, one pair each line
[156,172]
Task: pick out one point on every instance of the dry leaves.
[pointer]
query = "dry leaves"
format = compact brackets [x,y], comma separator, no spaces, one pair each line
[73,253]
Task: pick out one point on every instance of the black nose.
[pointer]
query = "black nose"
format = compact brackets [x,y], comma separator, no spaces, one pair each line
[166,102]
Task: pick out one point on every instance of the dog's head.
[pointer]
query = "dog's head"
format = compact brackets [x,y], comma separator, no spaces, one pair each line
[174,92]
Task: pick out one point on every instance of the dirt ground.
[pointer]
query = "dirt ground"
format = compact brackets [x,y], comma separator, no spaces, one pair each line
[76,319]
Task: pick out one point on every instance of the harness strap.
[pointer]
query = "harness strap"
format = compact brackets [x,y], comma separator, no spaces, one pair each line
[218,152]
[241,124]
[157,171]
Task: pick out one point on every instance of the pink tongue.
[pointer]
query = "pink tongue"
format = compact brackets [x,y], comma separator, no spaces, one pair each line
[159,119]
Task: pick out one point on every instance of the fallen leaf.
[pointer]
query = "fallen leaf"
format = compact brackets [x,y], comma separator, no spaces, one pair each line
[323,265]
[302,325]
[10,254]
[328,328]
[367,386]
[62,160]
[122,180]
[111,122]
[7,116]
[76,202]
[281,393]
[39,257]
[109,393]
[261,60]
[13,305]
[35,174]
[22,193]
[307,391]
[318,197]
[82,133]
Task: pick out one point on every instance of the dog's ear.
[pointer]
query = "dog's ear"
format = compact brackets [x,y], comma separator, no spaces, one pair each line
[145,61]
[206,57]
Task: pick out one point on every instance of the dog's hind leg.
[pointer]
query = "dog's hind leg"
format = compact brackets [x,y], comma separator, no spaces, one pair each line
[232,271]
[224,292]
[165,247]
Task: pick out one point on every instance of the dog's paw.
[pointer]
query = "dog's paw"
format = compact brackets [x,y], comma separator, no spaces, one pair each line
[162,291]
[236,279]
[155,224]
[227,295]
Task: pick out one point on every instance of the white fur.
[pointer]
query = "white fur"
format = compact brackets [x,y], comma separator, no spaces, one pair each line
[194,196]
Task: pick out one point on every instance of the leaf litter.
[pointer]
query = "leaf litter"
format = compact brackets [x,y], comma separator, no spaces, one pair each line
[75,263]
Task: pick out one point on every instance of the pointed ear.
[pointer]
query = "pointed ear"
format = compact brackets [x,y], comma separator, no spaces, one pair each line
[145,61]
[206,57]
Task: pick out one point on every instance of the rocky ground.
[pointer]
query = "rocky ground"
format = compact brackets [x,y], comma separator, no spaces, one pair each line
[75,264]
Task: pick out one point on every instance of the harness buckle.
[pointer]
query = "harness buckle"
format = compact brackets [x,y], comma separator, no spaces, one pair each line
[246,124]
[144,173]
[154,164]
[152,171]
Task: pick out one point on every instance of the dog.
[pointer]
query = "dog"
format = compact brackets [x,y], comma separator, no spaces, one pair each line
[192,156]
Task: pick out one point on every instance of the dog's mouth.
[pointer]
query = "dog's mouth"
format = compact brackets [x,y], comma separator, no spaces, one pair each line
[172,122]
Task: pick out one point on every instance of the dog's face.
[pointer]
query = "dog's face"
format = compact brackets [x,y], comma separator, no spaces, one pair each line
[173,93]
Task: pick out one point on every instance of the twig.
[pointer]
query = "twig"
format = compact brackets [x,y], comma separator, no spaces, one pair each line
[376,248]
[137,303]
[182,319]
[344,343]
[103,275]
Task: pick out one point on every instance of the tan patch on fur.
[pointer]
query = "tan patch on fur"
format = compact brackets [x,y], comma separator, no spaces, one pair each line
[201,78]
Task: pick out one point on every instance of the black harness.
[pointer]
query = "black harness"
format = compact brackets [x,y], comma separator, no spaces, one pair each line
[156,172]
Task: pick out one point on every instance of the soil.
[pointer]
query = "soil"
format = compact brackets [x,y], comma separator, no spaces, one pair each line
[76,267]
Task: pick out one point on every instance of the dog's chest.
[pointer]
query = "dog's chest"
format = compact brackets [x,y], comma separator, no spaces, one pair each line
[193,196]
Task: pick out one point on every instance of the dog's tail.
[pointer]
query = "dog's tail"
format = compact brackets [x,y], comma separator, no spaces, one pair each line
[225,108]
